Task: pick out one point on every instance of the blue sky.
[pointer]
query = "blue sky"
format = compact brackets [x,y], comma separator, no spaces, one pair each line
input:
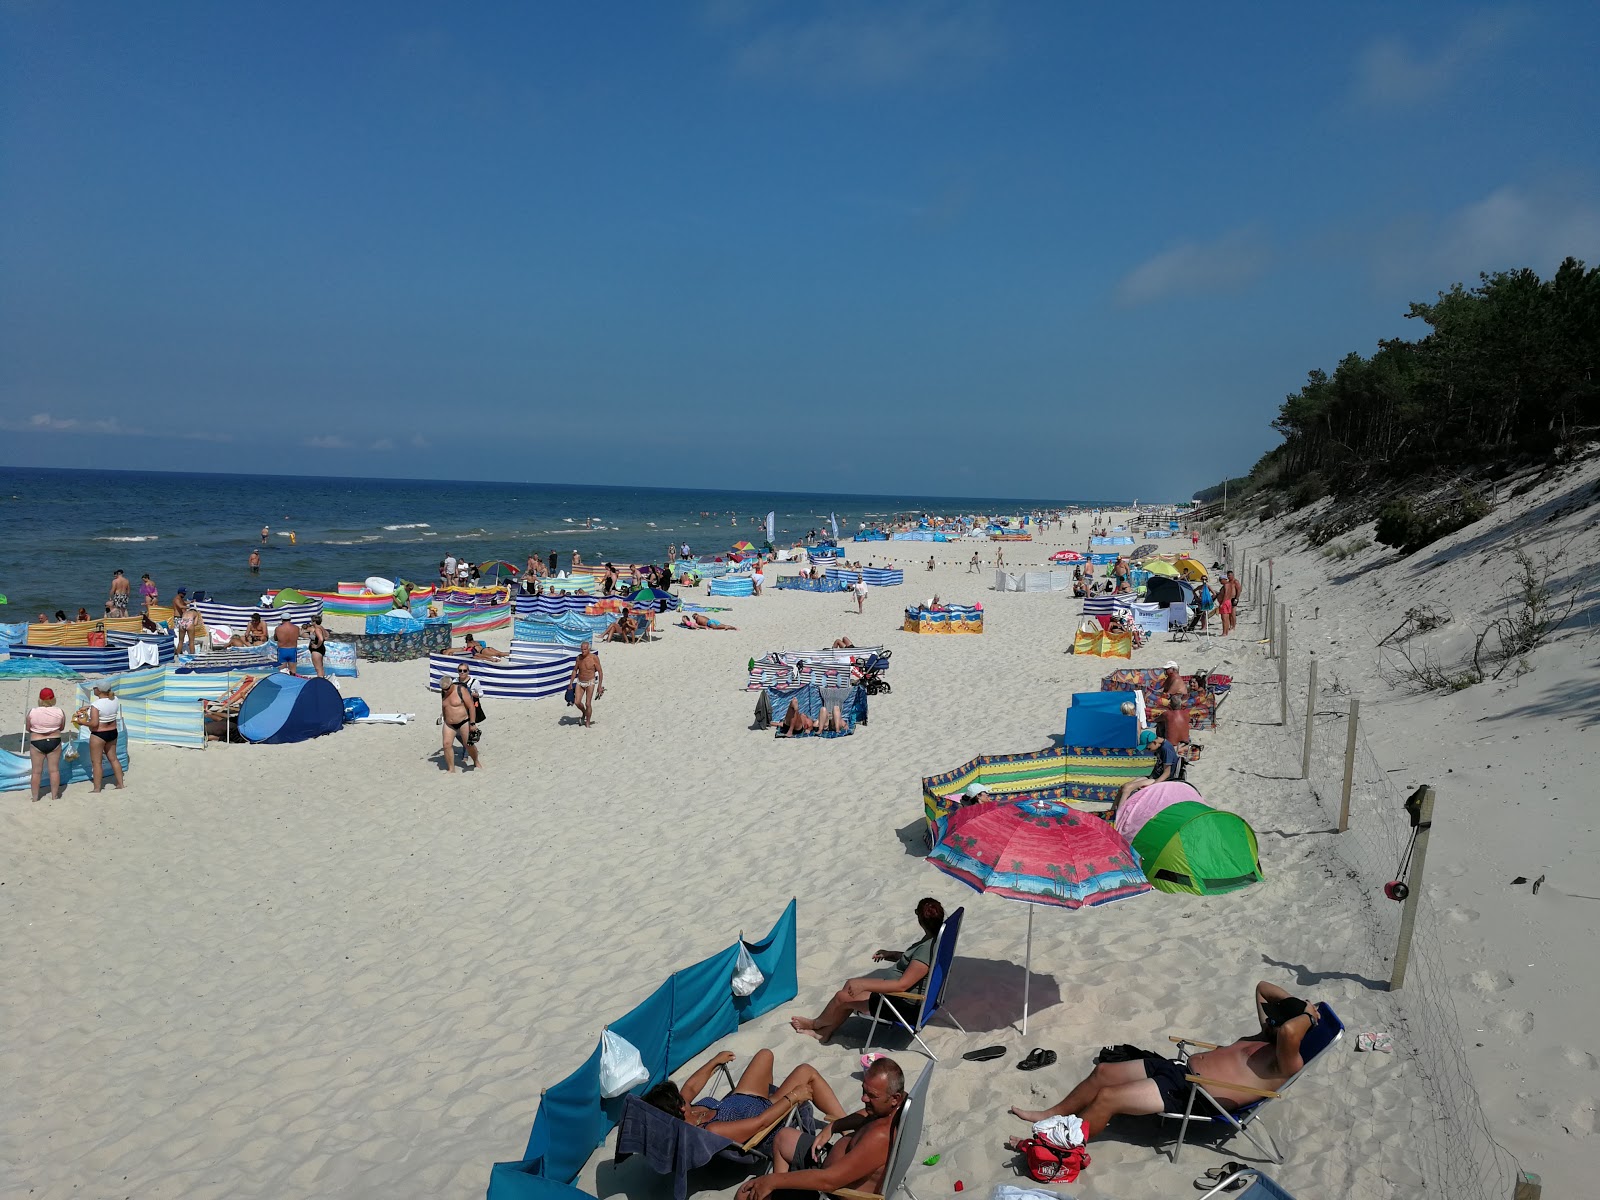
[1020,248]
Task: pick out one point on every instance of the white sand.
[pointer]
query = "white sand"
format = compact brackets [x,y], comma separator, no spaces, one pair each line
[1513,763]
[331,969]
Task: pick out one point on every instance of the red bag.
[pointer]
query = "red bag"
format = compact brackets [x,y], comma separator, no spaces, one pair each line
[1049,1163]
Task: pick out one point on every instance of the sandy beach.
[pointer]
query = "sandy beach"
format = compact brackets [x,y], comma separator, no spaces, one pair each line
[333,969]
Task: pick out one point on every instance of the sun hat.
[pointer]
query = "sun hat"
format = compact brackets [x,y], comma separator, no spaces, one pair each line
[47,696]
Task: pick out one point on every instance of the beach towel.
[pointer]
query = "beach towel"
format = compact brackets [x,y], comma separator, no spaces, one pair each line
[143,654]
[383,719]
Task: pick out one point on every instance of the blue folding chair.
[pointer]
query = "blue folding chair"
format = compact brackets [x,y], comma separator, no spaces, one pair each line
[932,996]
[1226,1122]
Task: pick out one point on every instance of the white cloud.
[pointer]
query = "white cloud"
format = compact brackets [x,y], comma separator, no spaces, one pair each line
[420,442]
[45,423]
[1513,226]
[326,442]
[1388,72]
[873,46]
[383,444]
[1225,264]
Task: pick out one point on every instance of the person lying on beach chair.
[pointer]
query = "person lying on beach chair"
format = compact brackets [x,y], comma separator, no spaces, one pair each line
[806,1162]
[754,1106]
[1257,1064]
[861,994]
[623,629]
[221,717]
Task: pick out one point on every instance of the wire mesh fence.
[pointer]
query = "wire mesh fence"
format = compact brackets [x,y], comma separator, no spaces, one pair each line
[1455,1151]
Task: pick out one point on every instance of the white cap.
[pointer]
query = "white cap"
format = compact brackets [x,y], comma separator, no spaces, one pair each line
[975,789]
[1169,666]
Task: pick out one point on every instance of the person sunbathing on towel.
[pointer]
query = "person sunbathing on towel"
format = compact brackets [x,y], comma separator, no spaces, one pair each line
[1235,1075]
[805,1162]
[858,994]
[844,643]
[476,649]
[705,622]
[795,723]
[748,1109]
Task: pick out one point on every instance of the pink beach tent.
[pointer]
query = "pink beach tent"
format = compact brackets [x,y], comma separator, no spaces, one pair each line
[1134,812]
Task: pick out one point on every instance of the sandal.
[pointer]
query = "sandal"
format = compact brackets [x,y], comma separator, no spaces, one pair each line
[986,1054]
[1216,1175]
[1037,1058]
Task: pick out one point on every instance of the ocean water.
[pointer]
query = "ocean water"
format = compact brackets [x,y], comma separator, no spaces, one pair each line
[62,532]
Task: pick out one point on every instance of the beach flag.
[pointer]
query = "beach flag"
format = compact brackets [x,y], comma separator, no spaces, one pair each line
[835,520]
[772,528]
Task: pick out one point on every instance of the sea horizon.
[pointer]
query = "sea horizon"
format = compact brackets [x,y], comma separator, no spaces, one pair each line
[67,529]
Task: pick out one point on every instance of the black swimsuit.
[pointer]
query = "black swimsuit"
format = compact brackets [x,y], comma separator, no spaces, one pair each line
[46,745]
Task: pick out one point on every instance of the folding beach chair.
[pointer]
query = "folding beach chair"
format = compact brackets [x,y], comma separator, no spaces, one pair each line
[932,997]
[1227,1122]
[228,707]
[1261,1187]
[673,1147]
[904,1147]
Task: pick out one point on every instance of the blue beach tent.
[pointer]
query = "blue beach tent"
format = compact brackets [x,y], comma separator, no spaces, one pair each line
[287,708]
[1096,719]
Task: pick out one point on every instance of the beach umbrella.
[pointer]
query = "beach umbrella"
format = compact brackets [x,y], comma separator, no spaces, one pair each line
[1148,550]
[1158,566]
[1038,850]
[496,564]
[1190,569]
[743,547]
[1069,556]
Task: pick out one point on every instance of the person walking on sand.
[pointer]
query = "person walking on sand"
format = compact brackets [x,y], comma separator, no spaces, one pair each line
[974,565]
[859,587]
[1228,603]
[456,712]
[119,594]
[587,681]
[1000,556]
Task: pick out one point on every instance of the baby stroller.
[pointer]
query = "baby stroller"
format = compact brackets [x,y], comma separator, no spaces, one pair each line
[869,674]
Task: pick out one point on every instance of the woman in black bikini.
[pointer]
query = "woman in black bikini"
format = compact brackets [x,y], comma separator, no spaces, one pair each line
[318,643]
[100,715]
[45,726]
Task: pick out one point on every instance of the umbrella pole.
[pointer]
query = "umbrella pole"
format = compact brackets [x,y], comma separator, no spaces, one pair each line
[1027,972]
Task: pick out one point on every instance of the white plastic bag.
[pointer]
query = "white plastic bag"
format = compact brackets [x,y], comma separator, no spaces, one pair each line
[621,1068]
[747,977]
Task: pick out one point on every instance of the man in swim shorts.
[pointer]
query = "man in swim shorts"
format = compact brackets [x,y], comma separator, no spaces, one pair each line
[457,708]
[815,1162]
[119,594]
[255,562]
[588,680]
[1236,1074]
[287,636]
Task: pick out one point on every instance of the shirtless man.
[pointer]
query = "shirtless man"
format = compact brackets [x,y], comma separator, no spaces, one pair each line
[254,633]
[623,628]
[588,677]
[1235,1074]
[287,635]
[807,1162]
[1228,603]
[119,594]
[255,562]
[705,622]
[457,708]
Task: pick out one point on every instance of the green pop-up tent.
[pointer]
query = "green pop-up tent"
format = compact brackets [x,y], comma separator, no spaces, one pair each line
[1192,847]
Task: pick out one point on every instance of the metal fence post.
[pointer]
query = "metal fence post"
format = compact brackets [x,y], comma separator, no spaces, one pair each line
[1349,764]
[1408,919]
[1311,708]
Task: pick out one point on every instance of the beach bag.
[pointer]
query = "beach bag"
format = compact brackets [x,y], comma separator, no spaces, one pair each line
[1048,1162]
[621,1068]
[356,707]
[571,694]
[747,977]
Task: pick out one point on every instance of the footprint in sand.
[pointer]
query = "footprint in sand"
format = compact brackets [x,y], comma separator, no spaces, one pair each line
[1487,983]
[1581,1059]
[1585,1120]
[1461,916]
[1516,1022]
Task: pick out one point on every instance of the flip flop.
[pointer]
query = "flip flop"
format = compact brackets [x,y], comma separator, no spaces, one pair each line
[1216,1175]
[985,1054]
[1037,1058]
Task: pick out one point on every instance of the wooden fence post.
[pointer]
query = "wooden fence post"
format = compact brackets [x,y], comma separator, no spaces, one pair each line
[1349,764]
[1311,708]
[1283,666]
[1408,919]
